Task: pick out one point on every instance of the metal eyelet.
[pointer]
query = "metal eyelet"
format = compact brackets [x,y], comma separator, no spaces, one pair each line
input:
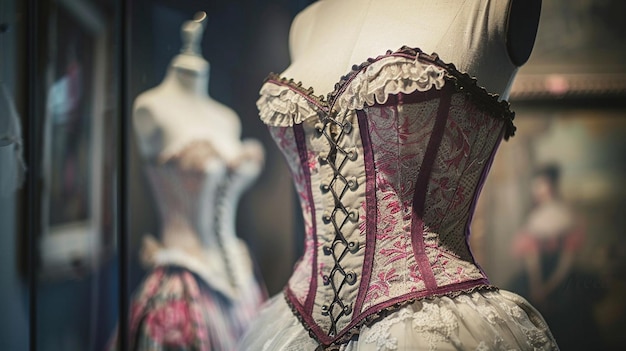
[351,278]
[347,127]
[352,155]
[353,215]
[353,246]
[319,127]
[326,218]
[353,184]
[327,251]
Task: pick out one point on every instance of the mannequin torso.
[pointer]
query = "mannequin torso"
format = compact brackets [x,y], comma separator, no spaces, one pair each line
[388,167]
[330,36]
[198,169]
[179,112]
[193,151]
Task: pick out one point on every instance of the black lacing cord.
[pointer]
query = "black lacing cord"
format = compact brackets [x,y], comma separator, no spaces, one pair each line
[334,131]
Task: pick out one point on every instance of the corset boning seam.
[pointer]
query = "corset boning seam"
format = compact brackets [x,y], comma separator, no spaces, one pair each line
[421,187]
[299,135]
[371,209]
[477,191]
[360,315]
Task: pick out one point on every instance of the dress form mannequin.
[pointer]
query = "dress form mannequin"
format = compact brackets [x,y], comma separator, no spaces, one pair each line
[330,36]
[388,164]
[198,168]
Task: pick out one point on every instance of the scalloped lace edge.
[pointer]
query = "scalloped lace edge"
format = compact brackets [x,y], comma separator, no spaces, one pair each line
[281,106]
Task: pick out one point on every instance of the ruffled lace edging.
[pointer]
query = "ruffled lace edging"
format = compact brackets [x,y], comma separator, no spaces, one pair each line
[281,106]
[284,103]
[386,77]
[353,332]
[477,320]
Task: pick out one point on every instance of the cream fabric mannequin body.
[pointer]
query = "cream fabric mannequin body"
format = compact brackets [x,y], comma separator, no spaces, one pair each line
[180,111]
[330,36]
[178,120]
[200,274]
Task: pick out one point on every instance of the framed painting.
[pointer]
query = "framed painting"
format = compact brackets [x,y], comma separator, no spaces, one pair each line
[77,157]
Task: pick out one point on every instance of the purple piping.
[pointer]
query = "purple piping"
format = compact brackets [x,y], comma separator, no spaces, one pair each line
[323,338]
[421,187]
[371,213]
[479,187]
[298,131]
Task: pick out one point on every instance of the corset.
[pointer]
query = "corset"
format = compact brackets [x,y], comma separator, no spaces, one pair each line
[388,168]
[204,202]
[186,198]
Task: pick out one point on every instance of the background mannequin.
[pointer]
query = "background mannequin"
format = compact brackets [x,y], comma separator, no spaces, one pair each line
[330,36]
[198,168]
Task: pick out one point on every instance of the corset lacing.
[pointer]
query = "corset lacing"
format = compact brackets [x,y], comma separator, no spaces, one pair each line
[334,129]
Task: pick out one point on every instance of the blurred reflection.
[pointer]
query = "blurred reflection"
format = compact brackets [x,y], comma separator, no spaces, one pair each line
[74,135]
[547,243]
[12,165]
[69,134]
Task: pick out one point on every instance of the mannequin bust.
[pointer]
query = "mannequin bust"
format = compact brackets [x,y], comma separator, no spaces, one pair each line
[324,45]
[198,168]
[388,167]
[180,111]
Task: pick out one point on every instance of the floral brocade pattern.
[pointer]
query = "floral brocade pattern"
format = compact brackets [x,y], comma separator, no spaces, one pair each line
[398,139]
[301,278]
[388,171]
[174,310]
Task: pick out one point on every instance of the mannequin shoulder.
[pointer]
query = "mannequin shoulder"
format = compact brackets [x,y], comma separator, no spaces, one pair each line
[521,29]
[223,117]
[146,109]
[148,101]
[301,29]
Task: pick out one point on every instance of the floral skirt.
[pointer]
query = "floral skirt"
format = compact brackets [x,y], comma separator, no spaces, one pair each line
[489,320]
[174,309]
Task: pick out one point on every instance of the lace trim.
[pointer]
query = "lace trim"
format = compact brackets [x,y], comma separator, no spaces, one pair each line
[353,333]
[387,77]
[364,85]
[281,106]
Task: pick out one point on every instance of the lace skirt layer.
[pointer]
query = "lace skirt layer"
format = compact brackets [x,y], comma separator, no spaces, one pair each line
[490,320]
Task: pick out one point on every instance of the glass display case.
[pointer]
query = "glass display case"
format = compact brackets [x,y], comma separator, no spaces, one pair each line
[77,202]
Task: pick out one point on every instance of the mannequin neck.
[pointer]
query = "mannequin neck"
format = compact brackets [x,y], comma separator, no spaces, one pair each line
[189,74]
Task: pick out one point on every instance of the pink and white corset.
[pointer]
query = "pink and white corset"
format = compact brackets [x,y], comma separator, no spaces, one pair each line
[388,168]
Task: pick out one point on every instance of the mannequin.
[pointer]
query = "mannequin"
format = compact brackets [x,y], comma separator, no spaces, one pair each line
[389,147]
[183,94]
[198,168]
[354,30]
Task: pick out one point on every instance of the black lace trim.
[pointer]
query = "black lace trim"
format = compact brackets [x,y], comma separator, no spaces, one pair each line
[354,332]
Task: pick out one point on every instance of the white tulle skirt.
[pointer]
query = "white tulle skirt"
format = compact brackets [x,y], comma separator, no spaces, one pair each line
[489,320]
